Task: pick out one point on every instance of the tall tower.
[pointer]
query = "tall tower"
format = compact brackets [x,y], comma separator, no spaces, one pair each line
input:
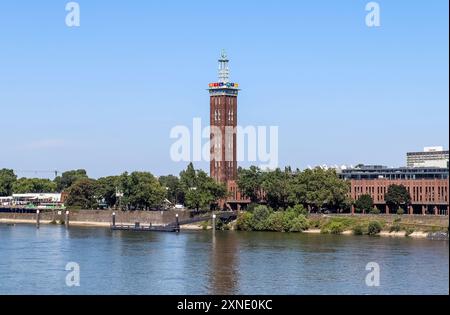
[223,122]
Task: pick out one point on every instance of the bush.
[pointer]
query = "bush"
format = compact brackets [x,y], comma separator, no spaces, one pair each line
[400,211]
[374,228]
[409,231]
[299,224]
[275,222]
[260,216]
[395,228]
[315,223]
[244,221]
[375,211]
[204,225]
[288,219]
[335,228]
[251,207]
[358,230]
[397,220]
[53,221]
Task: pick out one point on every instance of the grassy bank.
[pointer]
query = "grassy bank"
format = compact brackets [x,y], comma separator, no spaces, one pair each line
[297,220]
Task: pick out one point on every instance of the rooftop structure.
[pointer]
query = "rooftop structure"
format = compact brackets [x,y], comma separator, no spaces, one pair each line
[429,157]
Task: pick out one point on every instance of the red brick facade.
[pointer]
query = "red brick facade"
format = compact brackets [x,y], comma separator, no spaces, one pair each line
[428,196]
[223,117]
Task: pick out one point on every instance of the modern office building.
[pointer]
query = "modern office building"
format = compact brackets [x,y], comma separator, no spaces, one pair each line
[427,186]
[430,157]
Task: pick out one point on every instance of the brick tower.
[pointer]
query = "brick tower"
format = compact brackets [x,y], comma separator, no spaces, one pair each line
[223,122]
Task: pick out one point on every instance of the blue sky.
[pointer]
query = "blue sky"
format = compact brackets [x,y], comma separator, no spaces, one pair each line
[105,96]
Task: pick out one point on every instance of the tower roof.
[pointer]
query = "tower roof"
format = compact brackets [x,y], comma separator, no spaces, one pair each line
[223,85]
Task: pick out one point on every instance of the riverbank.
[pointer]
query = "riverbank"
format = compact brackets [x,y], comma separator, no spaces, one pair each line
[418,234]
[414,226]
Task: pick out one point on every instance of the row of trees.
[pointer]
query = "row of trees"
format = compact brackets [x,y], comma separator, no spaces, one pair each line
[396,197]
[317,188]
[137,190]
[9,183]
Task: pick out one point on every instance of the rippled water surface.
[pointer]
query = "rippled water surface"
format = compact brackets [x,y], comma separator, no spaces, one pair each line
[197,262]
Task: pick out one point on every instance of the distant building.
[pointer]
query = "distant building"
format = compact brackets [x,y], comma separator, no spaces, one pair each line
[427,186]
[430,157]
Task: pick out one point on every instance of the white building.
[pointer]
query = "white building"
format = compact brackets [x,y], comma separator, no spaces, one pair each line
[430,157]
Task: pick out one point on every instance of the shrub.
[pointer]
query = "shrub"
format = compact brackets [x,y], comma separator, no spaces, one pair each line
[62,222]
[251,207]
[299,224]
[336,228]
[409,231]
[397,220]
[53,221]
[288,219]
[374,228]
[375,211]
[275,222]
[400,211]
[260,216]
[204,225]
[358,230]
[244,221]
[315,223]
[395,228]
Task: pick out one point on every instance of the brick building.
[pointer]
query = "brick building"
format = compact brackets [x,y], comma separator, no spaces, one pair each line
[428,187]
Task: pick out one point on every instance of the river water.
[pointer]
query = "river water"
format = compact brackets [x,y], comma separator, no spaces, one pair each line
[199,262]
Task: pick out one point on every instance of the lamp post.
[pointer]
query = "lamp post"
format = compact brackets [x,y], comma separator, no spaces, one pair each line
[214,222]
[177,222]
[37,218]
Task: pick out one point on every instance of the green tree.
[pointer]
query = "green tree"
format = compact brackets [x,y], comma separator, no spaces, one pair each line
[250,183]
[276,187]
[33,185]
[298,210]
[68,178]
[141,190]
[7,180]
[364,203]
[396,196]
[82,194]
[106,189]
[319,188]
[174,192]
[200,190]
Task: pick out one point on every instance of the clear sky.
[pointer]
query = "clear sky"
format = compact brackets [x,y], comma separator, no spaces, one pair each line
[104,96]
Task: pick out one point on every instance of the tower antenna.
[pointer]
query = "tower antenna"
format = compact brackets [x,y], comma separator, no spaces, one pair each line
[224,71]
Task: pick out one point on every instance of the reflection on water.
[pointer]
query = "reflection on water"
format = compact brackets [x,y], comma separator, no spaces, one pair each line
[224,262]
[223,271]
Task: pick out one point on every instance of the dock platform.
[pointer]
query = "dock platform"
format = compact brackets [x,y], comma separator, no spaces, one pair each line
[145,228]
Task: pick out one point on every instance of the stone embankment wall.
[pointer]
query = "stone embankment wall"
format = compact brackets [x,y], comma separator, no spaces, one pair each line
[105,216]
